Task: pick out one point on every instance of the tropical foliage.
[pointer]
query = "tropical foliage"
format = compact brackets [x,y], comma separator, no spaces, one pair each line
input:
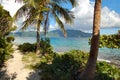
[65,66]
[107,71]
[5,22]
[68,65]
[39,12]
[5,50]
[110,41]
[27,47]
[45,48]
[5,40]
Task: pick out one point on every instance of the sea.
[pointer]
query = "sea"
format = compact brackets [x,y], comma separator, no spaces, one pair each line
[61,44]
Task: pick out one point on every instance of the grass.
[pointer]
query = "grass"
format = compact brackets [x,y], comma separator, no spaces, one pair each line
[30,60]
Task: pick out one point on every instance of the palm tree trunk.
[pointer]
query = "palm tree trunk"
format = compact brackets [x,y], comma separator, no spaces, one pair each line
[89,71]
[38,39]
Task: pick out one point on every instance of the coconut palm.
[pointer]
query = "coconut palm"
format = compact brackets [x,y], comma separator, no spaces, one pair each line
[39,12]
[89,71]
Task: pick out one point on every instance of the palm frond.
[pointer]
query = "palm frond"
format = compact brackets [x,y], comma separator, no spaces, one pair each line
[65,13]
[21,12]
[26,23]
[30,18]
[46,23]
[59,22]
[72,2]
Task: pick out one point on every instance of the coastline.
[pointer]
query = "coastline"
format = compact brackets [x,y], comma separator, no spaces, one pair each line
[108,61]
[115,62]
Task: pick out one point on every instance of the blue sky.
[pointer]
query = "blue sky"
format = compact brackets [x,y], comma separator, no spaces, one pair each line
[112,4]
[110,15]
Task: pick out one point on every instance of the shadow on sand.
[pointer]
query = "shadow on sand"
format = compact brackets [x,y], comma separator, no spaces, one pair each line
[5,76]
[33,76]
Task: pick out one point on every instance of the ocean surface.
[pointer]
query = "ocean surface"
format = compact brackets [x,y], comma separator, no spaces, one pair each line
[67,44]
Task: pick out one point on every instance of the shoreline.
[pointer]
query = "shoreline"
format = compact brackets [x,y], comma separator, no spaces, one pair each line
[108,61]
[115,62]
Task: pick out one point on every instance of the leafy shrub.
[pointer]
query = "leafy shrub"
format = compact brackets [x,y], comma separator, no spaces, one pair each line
[109,41]
[64,66]
[27,47]
[106,71]
[45,46]
[5,50]
[33,61]
[5,28]
[10,38]
[67,67]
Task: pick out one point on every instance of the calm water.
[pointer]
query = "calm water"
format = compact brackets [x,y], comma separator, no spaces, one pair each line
[66,44]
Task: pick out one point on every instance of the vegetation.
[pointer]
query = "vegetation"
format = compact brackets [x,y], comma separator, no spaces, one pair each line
[46,48]
[27,47]
[107,71]
[30,60]
[5,50]
[38,12]
[5,41]
[67,66]
[5,22]
[110,41]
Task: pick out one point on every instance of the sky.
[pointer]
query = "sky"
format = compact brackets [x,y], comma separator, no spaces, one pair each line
[83,12]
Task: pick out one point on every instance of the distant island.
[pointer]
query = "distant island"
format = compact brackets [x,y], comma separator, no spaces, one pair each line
[54,33]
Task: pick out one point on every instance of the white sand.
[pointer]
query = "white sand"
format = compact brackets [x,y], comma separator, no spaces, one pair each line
[108,61]
[16,68]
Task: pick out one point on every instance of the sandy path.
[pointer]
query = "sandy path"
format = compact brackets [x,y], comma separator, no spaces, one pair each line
[15,68]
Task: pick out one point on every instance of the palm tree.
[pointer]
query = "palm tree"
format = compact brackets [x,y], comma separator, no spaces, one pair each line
[89,71]
[40,11]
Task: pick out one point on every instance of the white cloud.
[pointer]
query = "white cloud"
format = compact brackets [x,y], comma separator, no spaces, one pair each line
[11,6]
[84,16]
[110,18]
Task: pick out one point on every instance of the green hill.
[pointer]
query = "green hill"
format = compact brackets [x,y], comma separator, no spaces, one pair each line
[55,33]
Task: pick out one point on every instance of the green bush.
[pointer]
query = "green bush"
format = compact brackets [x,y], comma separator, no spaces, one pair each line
[109,41]
[45,47]
[10,38]
[64,66]
[67,67]
[5,50]
[27,47]
[107,71]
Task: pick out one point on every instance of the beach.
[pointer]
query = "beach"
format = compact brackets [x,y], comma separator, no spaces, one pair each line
[14,68]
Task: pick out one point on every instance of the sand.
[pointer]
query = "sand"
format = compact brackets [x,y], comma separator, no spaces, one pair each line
[16,70]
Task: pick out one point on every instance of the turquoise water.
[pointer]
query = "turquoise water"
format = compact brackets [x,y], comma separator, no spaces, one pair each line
[59,44]
[66,44]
